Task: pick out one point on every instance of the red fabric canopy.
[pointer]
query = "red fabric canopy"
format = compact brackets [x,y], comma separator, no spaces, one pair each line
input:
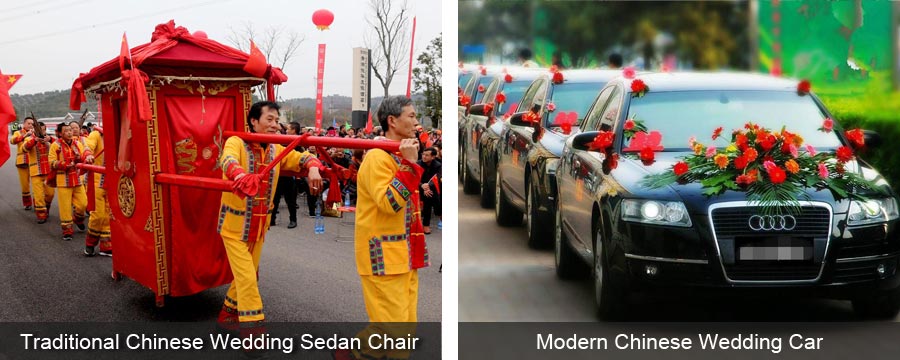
[174,51]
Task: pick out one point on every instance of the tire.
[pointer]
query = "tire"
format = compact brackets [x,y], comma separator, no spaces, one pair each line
[460,162]
[539,233]
[487,191]
[610,297]
[879,305]
[568,265]
[470,187]
[504,212]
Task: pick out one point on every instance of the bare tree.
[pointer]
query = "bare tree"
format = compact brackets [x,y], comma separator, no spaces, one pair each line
[389,41]
[278,45]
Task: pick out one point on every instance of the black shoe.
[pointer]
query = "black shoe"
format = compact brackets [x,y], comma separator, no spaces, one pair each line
[28,207]
[272,222]
[293,224]
[105,253]
[67,238]
[88,251]
[80,227]
[41,221]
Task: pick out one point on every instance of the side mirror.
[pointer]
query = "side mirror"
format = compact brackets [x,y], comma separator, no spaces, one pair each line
[873,140]
[476,110]
[581,141]
[516,119]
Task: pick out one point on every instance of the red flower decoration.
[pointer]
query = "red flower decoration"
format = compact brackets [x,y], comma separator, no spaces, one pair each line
[488,107]
[557,78]
[747,179]
[751,154]
[460,64]
[628,72]
[500,98]
[857,138]
[717,133]
[554,69]
[740,162]
[767,142]
[629,124]
[508,78]
[481,88]
[777,175]
[647,154]
[565,120]
[531,117]
[483,70]
[551,106]
[680,168]
[465,100]
[639,88]
[740,140]
[827,125]
[803,87]
[612,162]
[844,154]
[602,141]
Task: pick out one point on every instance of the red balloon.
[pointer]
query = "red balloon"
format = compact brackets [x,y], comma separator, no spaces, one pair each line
[322,19]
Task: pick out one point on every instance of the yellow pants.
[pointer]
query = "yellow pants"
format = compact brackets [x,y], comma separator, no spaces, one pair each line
[24,183]
[98,225]
[43,195]
[391,302]
[69,196]
[243,294]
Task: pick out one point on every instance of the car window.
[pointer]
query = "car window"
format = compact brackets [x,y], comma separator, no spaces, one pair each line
[470,86]
[491,91]
[484,81]
[680,115]
[528,98]
[591,120]
[611,113]
[514,92]
[571,100]
[464,78]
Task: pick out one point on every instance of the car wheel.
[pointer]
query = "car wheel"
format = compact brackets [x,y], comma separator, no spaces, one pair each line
[460,162]
[505,213]
[538,233]
[487,192]
[880,305]
[610,297]
[568,266]
[469,185]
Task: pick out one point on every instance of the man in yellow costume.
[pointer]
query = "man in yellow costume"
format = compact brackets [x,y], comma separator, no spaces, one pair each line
[65,153]
[244,213]
[98,224]
[22,160]
[37,148]
[389,239]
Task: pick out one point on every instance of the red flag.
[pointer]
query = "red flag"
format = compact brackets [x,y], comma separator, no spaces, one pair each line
[320,74]
[369,124]
[124,53]
[7,114]
[436,182]
[256,64]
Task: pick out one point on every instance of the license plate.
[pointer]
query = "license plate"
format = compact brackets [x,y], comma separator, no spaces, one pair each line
[775,253]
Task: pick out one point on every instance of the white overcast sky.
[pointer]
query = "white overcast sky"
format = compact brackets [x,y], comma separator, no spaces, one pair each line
[51,41]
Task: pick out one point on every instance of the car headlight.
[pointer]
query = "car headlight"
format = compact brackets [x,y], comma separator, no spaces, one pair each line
[872,211]
[671,213]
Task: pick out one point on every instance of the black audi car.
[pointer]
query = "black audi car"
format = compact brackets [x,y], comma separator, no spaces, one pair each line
[471,93]
[476,130]
[527,151]
[675,237]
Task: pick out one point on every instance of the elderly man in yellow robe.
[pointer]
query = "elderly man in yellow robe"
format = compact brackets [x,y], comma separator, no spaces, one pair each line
[244,213]
[22,160]
[389,237]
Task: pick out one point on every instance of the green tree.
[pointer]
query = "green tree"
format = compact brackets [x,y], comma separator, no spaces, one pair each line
[427,79]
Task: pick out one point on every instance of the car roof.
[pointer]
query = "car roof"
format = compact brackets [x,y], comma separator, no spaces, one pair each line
[588,75]
[726,80]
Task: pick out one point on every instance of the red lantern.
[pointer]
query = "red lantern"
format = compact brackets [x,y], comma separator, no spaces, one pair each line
[322,18]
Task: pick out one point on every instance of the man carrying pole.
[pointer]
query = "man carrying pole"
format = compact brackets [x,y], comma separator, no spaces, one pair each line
[22,160]
[389,239]
[37,148]
[244,213]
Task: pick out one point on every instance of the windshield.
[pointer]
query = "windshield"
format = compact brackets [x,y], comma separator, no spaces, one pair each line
[514,92]
[571,98]
[464,79]
[680,115]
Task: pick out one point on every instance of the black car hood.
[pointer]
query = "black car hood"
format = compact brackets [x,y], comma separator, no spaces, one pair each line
[631,171]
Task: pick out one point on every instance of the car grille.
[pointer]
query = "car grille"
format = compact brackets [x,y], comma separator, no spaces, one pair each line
[730,222]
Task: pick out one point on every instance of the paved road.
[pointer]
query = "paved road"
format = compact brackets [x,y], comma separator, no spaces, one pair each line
[303,277]
[501,279]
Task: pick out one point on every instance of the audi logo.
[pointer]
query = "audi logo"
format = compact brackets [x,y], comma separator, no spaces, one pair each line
[772,222]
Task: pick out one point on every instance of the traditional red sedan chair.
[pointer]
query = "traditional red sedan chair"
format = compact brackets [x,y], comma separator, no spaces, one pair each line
[168,107]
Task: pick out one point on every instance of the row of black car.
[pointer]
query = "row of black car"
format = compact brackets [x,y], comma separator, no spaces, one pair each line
[527,153]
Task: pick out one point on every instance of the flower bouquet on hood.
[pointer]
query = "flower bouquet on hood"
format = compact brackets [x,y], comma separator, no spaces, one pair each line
[772,167]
